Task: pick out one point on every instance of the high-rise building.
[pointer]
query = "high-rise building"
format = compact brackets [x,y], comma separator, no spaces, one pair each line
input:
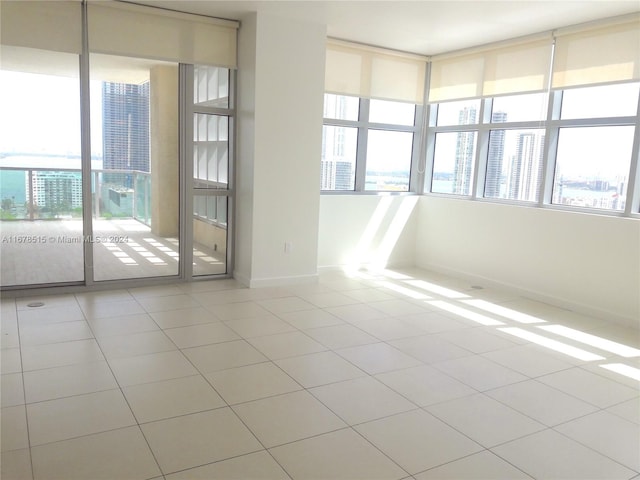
[336,169]
[495,158]
[465,149]
[526,167]
[336,175]
[55,189]
[125,124]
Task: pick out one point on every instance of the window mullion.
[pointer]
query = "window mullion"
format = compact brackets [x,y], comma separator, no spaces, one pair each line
[85,134]
[361,152]
[482,154]
[430,145]
[633,186]
[482,143]
[416,172]
[550,148]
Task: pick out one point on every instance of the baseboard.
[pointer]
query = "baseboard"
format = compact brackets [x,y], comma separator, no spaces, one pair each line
[275,281]
[364,266]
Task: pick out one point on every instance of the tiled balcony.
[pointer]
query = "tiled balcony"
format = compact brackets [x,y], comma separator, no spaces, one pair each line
[42,240]
[50,251]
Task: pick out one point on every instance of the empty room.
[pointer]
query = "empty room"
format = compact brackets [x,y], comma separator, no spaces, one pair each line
[320,239]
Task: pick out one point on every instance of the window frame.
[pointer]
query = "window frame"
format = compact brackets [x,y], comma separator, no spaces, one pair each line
[363,126]
[551,125]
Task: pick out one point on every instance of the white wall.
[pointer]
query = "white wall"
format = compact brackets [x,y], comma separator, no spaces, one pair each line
[245,125]
[280,99]
[587,262]
[367,230]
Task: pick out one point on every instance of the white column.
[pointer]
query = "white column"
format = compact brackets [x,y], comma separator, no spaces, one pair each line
[280,98]
[163,126]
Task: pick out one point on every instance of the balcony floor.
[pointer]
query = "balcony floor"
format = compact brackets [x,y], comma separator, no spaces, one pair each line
[50,251]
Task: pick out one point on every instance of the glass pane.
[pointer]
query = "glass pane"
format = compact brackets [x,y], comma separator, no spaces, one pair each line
[520,108]
[453,163]
[514,164]
[211,151]
[211,86]
[592,167]
[209,235]
[395,113]
[341,107]
[388,160]
[603,101]
[339,146]
[134,187]
[465,112]
[40,179]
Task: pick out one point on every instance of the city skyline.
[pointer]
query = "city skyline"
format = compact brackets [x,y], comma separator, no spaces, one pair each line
[515,162]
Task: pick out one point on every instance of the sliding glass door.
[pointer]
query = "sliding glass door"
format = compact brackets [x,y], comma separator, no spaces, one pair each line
[211,111]
[114,165]
[40,167]
[135,165]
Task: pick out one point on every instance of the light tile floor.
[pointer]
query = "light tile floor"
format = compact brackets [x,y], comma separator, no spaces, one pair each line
[391,375]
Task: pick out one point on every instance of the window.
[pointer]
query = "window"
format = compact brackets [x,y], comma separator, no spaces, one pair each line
[40,169]
[524,122]
[585,149]
[519,108]
[514,164]
[603,101]
[388,160]
[455,148]
[458,113]
[595,145]
[454,162]
[212,110]
[339,146]
[368,144]
[396,113]
[341,107]
[210,151]
[592,167]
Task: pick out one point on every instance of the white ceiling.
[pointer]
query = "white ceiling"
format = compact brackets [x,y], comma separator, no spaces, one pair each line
[426,27]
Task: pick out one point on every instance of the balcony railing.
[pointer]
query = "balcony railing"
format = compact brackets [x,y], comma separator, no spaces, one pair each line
[40,193]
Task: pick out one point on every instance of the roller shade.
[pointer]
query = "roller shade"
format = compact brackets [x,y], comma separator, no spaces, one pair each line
[45,25]
[521,66]
[604,53]
[516,69]
[132,30]
[371,72]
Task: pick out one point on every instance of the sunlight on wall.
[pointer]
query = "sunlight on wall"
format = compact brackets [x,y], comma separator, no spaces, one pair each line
[393,233]
[380,236]
[361,250]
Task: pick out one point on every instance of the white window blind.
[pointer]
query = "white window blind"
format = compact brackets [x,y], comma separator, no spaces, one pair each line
[374,73]
[521,66]
[45,25]
[598,54]
[132,30]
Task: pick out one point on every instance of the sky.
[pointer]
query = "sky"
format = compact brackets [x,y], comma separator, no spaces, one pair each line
[582,152]
[52,109]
